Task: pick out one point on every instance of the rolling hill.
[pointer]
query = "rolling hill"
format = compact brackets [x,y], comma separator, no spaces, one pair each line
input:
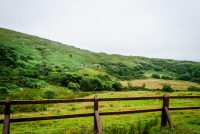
[31,61]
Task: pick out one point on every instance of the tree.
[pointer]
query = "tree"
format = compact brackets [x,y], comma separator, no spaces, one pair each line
[185,76]
[117,86]
[74,86]
[91,84]
[167,88]
[155,75]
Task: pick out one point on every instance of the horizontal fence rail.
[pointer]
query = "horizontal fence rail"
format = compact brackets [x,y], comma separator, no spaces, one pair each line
[25,102]
[97,125]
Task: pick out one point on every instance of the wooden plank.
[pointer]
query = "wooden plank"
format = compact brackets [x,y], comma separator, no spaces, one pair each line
[130,98]
[130,112]
[6,124]
[165,104]
[79,115]
[92,114]
[7,106]
[184,108]
[179,97]
[15,102]
[2,102]
[168,117]
[99,127]
[95,109]
[50,117]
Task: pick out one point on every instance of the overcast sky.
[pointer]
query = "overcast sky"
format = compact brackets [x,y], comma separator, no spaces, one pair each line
[167,29]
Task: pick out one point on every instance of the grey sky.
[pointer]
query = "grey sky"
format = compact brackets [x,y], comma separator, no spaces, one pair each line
[151,28]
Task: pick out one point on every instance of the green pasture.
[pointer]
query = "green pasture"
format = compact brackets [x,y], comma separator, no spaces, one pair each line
[187,120]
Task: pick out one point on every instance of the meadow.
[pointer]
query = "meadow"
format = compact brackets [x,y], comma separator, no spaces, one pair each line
[158,83]
[186,121]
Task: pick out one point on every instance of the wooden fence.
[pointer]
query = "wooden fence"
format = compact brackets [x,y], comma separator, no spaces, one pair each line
[165,118]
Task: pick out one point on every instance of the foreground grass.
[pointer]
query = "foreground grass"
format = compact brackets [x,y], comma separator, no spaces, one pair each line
[187,119]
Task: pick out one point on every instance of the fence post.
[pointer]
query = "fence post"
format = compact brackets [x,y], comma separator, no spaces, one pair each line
[6,123]
[95,109]
[165,104]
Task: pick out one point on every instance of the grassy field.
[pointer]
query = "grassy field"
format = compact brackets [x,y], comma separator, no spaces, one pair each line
[158,83]
[184,121]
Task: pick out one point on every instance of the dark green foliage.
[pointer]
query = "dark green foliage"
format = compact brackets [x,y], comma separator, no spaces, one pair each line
[70,55]
[91,84]
[157,68]
[117,86]
[167,88]
[7,56]
[67,78]
[155,75]
[123,71]
[54,78]
[107,85]
[185,76]
[74,86]
[104,77]
[31,83]
[10,86]
[193,88]
[3,90]
[49,94]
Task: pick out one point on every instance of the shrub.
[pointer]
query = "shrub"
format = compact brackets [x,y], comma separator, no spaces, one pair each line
[157,76]
[74,86]
[3,90]
[117,86]
[185,76]
[49,94]
[167,88]
[107,86]
[166,77]
[193,88]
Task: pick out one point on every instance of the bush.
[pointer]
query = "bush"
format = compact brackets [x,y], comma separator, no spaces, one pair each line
[74,86]
[107,86]
[167,88]
[91,84]
[166,77]
[49,94]
[193,88]
[3,90]
[117,86]
[185,76]
[157,76]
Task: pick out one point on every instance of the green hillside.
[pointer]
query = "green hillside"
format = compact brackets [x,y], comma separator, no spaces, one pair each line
[31,61]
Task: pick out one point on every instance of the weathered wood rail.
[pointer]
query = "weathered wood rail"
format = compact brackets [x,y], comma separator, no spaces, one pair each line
[165,118]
